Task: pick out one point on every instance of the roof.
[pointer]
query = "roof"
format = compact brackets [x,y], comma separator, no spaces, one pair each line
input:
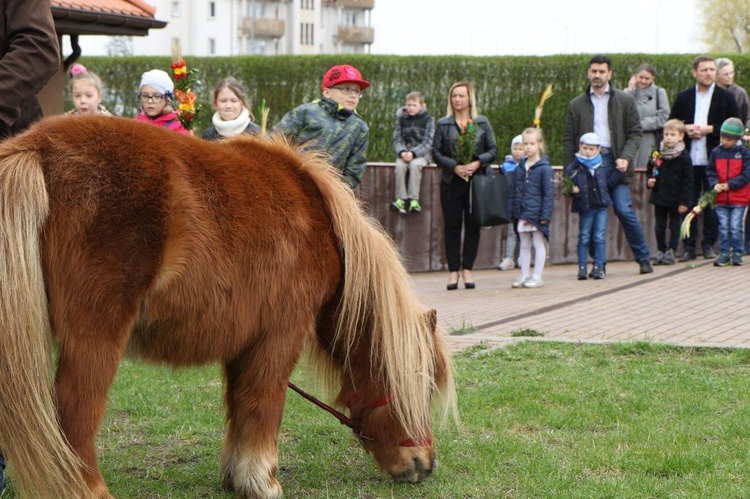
[104,17]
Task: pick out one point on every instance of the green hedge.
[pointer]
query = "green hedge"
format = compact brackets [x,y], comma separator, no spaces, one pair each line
[507,87]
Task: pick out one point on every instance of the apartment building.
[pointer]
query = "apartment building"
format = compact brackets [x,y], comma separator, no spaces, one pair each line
[260,27]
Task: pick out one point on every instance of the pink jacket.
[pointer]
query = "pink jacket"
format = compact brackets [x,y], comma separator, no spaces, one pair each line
[170,121]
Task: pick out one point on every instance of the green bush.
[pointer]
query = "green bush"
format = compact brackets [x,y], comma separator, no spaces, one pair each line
[508,88]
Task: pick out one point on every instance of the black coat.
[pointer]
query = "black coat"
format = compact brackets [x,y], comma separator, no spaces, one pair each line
[723,106]
[444,144]
[674,182]
[210,133]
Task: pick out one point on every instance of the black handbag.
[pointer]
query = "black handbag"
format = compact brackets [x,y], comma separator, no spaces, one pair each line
[489,197]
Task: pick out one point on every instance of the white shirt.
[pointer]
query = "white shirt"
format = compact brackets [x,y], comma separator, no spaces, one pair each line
[698,152]
[601,116]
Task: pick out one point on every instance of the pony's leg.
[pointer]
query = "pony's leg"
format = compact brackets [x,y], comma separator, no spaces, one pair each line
[256,383]
[85,372]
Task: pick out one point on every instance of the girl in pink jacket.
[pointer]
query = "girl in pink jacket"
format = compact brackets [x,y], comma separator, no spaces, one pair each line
[155,93]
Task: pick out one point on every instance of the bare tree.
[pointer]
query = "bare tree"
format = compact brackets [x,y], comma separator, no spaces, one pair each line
[726,25]
[120,46]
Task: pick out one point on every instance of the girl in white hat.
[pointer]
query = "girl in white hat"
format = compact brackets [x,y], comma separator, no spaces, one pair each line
[155,93]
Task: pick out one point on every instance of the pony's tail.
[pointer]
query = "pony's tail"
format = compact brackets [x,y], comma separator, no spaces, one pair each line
[379,304]
[41,462]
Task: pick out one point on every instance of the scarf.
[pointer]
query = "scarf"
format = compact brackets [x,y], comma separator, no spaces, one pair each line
[667,153]
[232,127]
[591,163]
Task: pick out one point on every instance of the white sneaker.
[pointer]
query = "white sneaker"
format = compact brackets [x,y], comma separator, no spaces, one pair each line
[507,264]
[534,282]
[519,282]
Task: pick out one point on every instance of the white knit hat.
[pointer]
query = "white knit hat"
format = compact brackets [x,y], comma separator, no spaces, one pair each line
[516,140]
[159,80]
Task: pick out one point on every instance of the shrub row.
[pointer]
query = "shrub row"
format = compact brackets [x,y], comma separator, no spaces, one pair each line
[508,88]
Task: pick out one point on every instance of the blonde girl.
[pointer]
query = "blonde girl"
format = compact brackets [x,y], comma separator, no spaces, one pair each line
[86,92]
[530,207]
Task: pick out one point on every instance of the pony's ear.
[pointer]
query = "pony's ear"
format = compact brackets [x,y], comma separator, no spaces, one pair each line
[432,319]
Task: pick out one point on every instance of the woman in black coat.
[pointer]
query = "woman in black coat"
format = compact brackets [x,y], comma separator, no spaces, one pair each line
[461,117]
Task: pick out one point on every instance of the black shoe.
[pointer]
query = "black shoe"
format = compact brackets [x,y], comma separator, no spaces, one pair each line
[604,270]
[470,285]
[582,274]
[687,256]
[597,273]
[708,252]
[451,286]
[645,267]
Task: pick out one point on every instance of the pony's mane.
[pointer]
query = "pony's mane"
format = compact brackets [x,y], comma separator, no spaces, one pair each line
[378,304]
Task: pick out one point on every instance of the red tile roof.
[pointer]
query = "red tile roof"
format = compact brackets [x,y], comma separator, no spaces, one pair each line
[137,8]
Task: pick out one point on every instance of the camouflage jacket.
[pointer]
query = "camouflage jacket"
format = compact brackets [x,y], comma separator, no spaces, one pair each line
[324,126]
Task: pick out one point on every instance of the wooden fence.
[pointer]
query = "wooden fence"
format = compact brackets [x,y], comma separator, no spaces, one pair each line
[419,236]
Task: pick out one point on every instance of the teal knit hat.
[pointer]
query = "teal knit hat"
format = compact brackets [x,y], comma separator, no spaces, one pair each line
[732,128]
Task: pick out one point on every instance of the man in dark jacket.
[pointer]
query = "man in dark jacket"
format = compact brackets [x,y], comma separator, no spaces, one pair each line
[613,116]
[703,108]
[29,56]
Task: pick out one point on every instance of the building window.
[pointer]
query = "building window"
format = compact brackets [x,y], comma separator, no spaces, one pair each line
[176,8]
[312,34]
[212,46]
[211,10]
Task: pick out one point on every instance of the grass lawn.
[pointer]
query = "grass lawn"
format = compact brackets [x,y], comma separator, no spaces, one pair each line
[538,419]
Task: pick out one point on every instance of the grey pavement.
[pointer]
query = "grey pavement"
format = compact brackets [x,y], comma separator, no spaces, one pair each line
[688,304]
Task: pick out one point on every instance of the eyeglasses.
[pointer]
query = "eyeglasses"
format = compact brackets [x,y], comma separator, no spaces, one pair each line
[154,98]
[356,91]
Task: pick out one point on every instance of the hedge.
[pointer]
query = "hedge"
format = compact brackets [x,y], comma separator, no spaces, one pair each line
[508,87]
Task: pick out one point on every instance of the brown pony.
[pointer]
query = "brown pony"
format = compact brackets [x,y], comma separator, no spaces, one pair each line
[119,237]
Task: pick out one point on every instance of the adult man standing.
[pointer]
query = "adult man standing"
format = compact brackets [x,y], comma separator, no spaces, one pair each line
[29,56]
[703,109]
[613,116]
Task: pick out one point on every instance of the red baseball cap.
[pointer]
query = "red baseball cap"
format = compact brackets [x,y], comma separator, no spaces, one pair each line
[344,73]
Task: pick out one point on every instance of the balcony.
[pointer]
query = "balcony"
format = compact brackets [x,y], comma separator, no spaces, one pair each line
[356,34]
[263,28]
[355,4]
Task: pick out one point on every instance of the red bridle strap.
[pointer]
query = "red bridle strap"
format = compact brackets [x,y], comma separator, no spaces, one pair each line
[420,442]
[344,420]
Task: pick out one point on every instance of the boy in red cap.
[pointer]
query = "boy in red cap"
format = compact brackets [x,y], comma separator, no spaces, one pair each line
[332,124]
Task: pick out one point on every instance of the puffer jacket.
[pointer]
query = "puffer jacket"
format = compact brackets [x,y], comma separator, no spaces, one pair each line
[532,193]
[414,133]
[30,56]
[593,189]
[444,144]
[730,166]
[325,126]
[170,121]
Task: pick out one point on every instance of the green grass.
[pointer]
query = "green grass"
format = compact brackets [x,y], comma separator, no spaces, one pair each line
[465,327]
[538,419]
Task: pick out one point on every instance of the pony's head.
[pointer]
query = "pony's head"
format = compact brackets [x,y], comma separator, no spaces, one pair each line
[393,422]
[382,350]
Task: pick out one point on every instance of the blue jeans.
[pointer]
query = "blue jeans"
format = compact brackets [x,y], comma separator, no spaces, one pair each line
[592,228]
[730,227]
[623,206]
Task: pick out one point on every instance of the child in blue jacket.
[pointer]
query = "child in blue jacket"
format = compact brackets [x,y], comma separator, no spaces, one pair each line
[591,181]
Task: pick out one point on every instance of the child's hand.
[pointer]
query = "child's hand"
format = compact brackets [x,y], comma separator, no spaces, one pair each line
[575,190]
[682,209]
[721,187]
[650,183]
